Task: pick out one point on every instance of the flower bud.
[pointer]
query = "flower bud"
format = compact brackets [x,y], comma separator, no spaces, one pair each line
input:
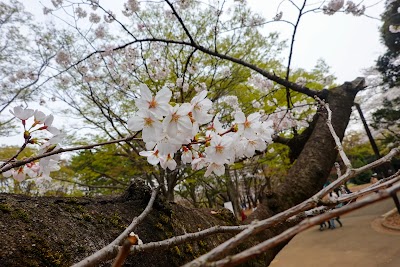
[34,141]
[27,135]
[51,148]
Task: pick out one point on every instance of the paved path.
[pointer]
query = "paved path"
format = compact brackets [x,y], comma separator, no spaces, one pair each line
[361,242]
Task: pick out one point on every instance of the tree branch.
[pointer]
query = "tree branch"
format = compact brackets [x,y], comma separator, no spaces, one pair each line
[61,150]
[177,240]
[338,143]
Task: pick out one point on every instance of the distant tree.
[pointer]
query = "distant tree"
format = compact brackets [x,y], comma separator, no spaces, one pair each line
[360,153]
[106,170]
[387,117]
[388,64]
[25,51]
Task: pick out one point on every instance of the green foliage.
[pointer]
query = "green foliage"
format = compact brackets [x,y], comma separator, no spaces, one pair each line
[386,63]
[360,153]
[389,71]
[386,118]
[7,152]
[391,18]
[108,166]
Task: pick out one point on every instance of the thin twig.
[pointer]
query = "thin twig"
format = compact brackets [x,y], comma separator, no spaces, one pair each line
[368,190]
[16,154]
[177,240]
[354,172]
[181,22]
[295,27]
[61,150]
[338,143]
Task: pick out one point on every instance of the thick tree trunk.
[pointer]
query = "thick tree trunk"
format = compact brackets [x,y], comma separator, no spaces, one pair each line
[313,165]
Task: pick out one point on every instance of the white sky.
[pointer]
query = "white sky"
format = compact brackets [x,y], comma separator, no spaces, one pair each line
[348,44]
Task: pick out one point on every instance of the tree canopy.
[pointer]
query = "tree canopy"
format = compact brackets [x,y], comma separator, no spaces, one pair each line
[386,117]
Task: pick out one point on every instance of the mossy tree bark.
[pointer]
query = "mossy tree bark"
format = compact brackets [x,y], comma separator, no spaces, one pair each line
[55,231]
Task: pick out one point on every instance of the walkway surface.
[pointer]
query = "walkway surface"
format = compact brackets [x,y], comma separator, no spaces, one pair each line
[361,242]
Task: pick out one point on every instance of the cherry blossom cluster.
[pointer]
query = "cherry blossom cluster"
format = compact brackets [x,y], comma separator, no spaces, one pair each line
[356,10]
[278,16]
[260,82]
[189,130]
[41,123]
[333,6]
[351,8]
[394,28]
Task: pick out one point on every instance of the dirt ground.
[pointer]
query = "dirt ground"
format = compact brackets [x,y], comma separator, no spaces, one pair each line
[392,221]
[363,241]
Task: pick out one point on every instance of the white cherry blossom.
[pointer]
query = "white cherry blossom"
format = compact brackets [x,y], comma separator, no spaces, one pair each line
[247,126]
[219,150]
[218,169]
[216,126]
[48,165]
[152,156]
[8,173]
[178,120]
[200,107]
[146,121]
[253,144]
[39,117]
[199,163]
[167,145]
[173,131]
[32,169]
[168,162]
[265,130]
[20,174]
[48,121]
[187,155]
[158,104]
[22,113]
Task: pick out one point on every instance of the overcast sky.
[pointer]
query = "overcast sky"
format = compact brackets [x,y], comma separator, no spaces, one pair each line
[347,43]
